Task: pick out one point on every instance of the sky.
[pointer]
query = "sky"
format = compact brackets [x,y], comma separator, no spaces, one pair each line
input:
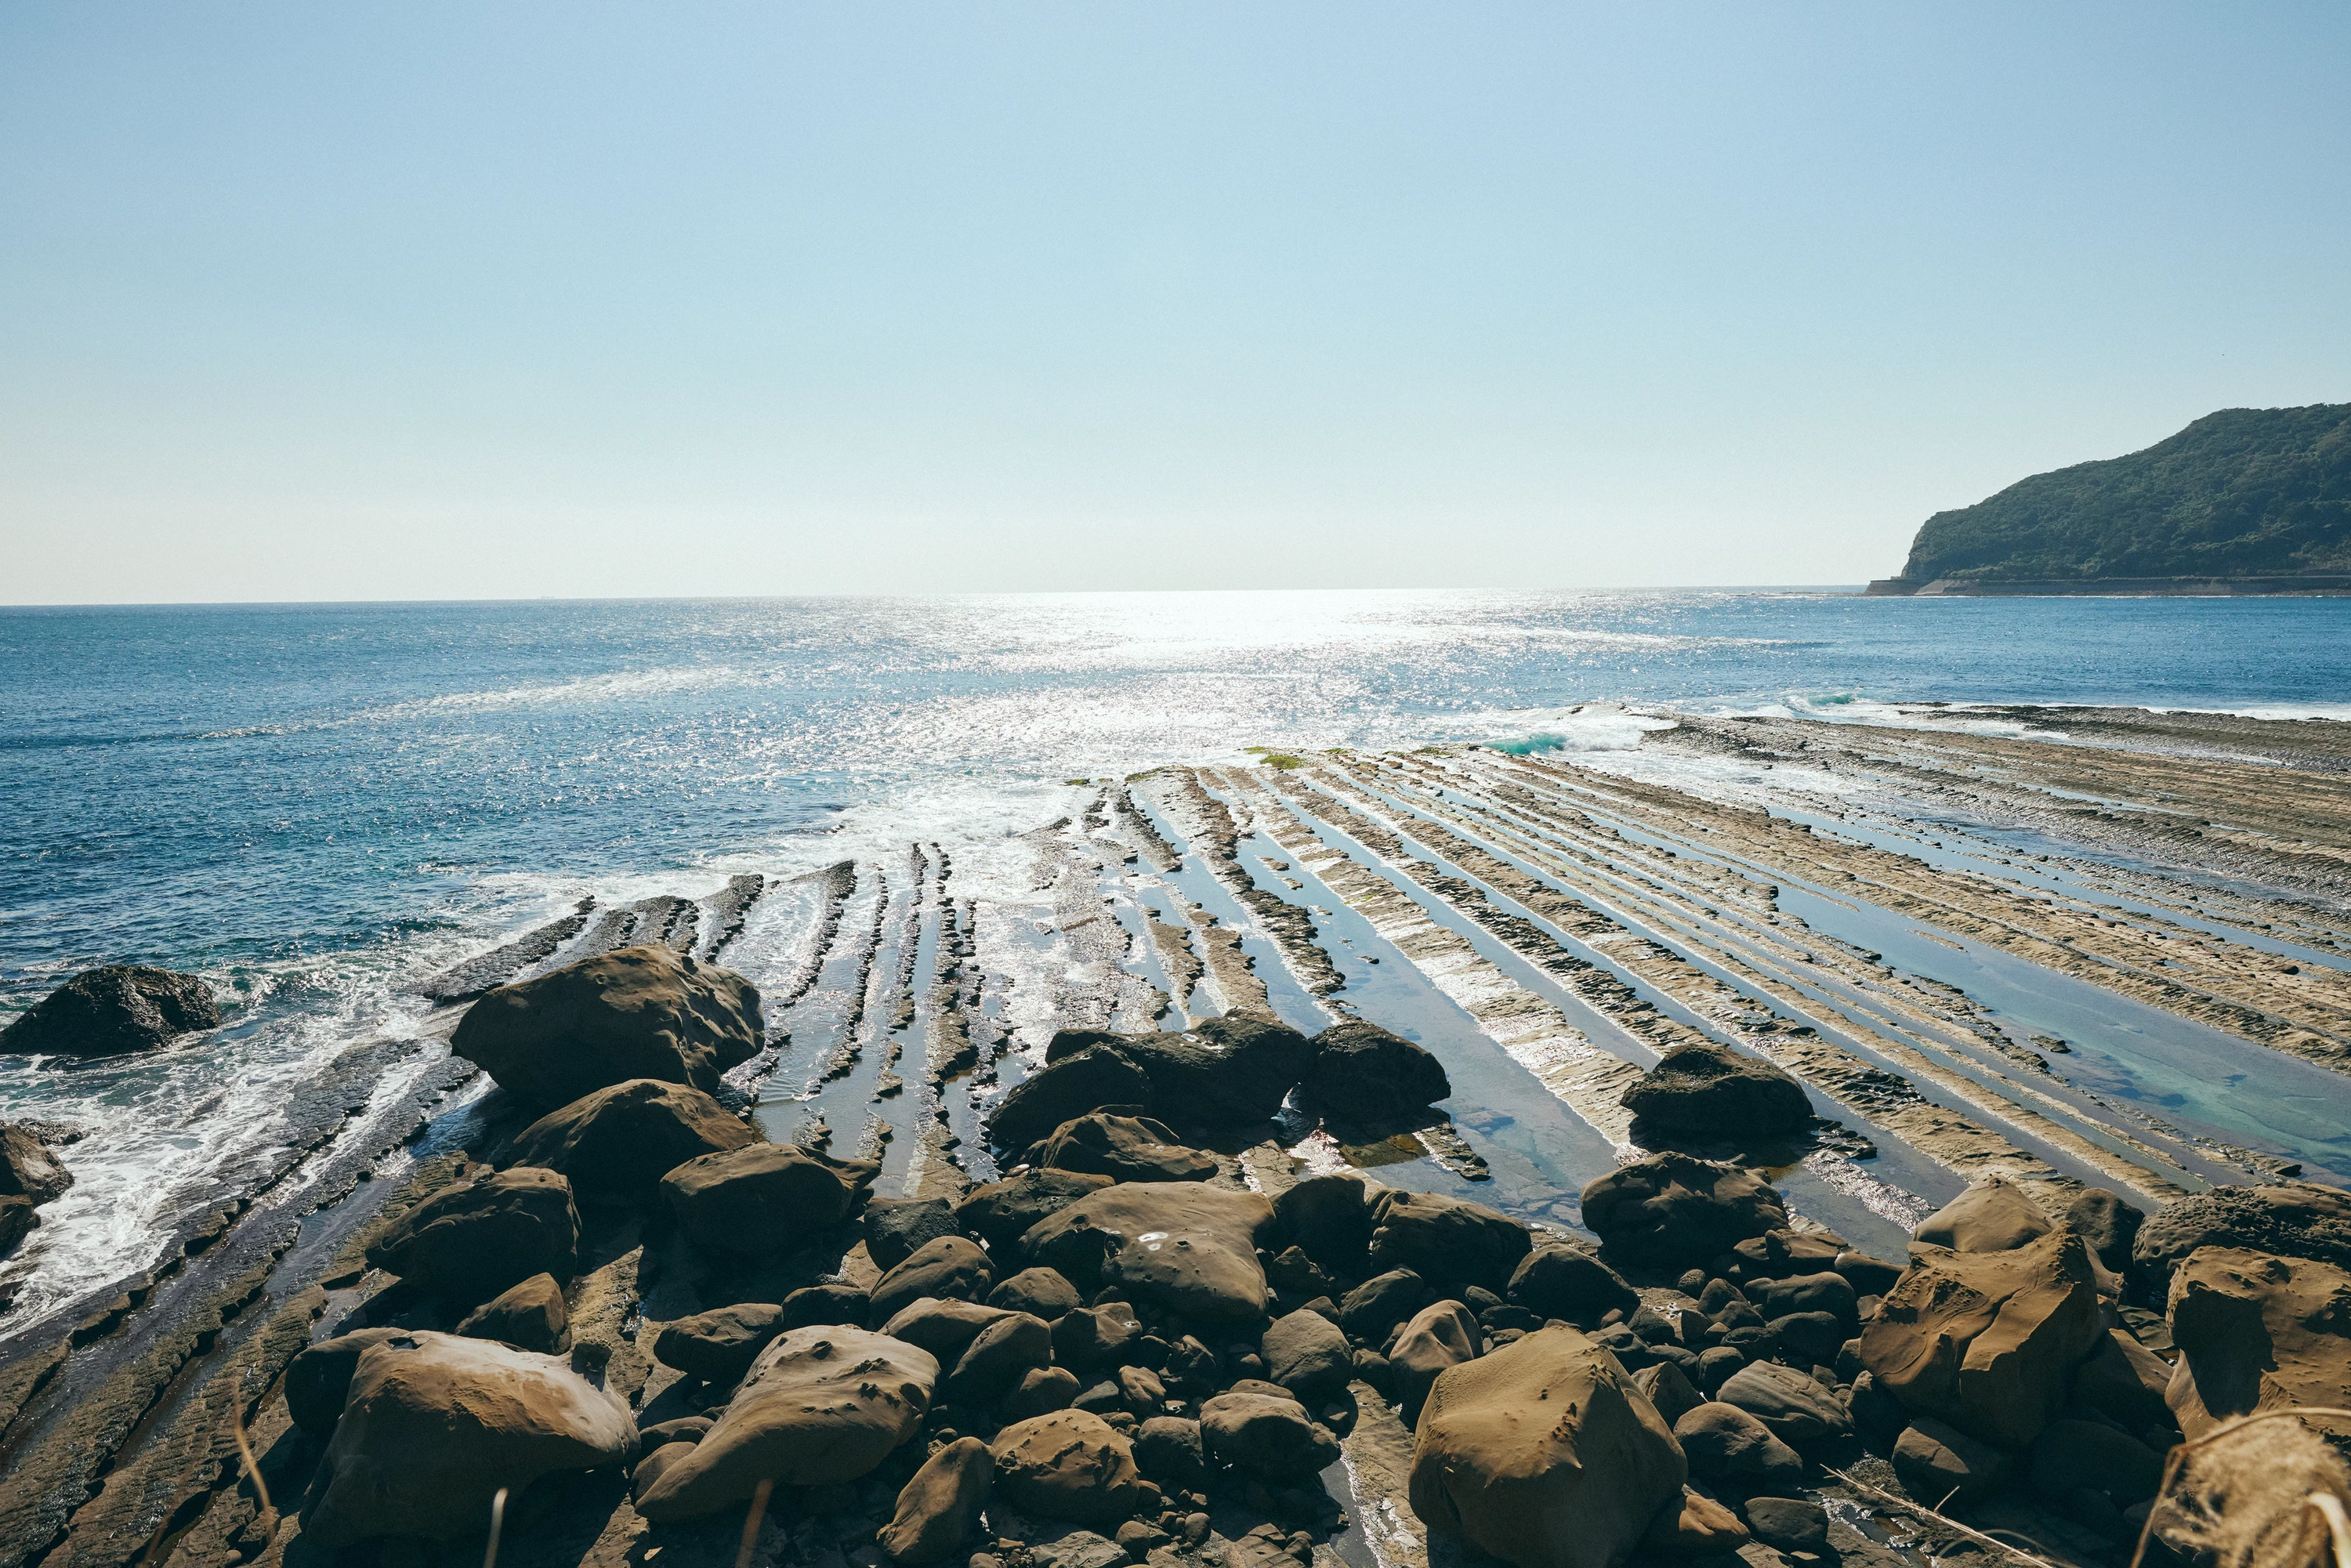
[461,301]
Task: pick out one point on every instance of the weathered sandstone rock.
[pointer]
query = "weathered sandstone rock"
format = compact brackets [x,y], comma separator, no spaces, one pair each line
[1001,1212]
[1270,1438]
[529,1316]
[1993,1216]
[1445,1240]
[950,1268]
[478,1237]
[1124,1148]
[1065,1090]
[1069,1465]
[618,1142]
[1674,1211]
[764,1197]
[1562,1281]
[122,1007]
[2290,1220]
[2257,1333]
[1712,1092]
[1364,1074]
[1184,1245]
[940,1510]
[720,1346]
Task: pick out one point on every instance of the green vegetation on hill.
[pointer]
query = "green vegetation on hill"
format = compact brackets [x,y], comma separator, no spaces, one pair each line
[2240,492]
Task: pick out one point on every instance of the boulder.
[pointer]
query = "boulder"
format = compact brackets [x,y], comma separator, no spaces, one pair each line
[1124,1148]
[1798,1410]
[1696,1526]
[1004,1353]
[1096,1339]
[617,1144]
[1445,1240]
[1037,1292]
[27,1170]
[948,1269]
[1808,1339]
[895,1226]
[764,1197]
[2107,1226]
[1169,1452]
[821,1406]
[434,1424]
[1070,1465]
[1372,1307]
[1869,1276]
[1988,1341]
[1785,1253]
[677,1429]
[1184,1247]
[119,1008]
[946,1327]
[2292,1220]
[1788,1524]
[1712,1092]
[825,1305]
[1936,1462]
[530,1316]
[1041,1392]
[940,1510]
[658,1459]
[720,1346]
[1309,1354]
[1438,1337]
[1365,1075]
[318,1379]
[2071,1455]
[1727,1446]
[1272,1440]
[18,1218]
[1065,1090]
[1001,1212]
[1993,1216]
[1543,1454]
[1558,1280]
[1668,1387]
[1831,1293]
[634,1012]
[1329,1218]
[2124,1379]
[483,1234]
[1674,1211]
[1234,1069]
[2257,1333]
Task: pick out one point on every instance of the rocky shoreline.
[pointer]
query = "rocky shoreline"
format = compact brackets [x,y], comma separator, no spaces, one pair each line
[1137,1267]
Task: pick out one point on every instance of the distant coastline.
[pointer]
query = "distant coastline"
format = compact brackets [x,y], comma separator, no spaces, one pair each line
[2306,585]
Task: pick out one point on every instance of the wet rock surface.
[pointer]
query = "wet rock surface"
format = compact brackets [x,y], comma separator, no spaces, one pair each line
[110,1010]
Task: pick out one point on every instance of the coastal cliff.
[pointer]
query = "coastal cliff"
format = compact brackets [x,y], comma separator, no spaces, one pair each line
[2244,501]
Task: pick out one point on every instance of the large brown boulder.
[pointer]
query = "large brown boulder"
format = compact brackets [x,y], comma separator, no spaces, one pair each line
[476,1238]
[1447,1241]
[720,1346]
[1309,1354]
[1124,1148]
[1233,1069]
[1366,1075]
[318,1379]
[1065,1090]
[1544,1454]
[1675,1211]
[529,1316]
[764,1197]
[939,1508]
[1069,1465]
[2289,1220]
[634,1012]
[950,1268]
[1993,1216]
[27,1170]
[1711,1091]
[434,1425]
[2257,1333]
[1438,1338]
[122,1007]
[1001,1212]
[1186,1247]
[1330,1218]
[820,1407]
[618,1142]
[1267,1438]
[1558,1280]
[1988,1341]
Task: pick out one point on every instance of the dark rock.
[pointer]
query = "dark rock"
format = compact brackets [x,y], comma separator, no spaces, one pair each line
[1180,1247]
[1140,1391]
[1993,1216]
[1728,1444]
[1437,1338]
[1870,1276]
[2288,1221]
[1792,1524]
[945,1326]
[634,1012]
[2122,1379]
[18,1218]
[122,1007]
[1365,1074]
[1711,1091]
[1784,1254]
[2106,1224]
[1069,1465]
[1234,1069]
[1328,1216]
[1041,1392]
[827,1304]
[719,1347]
[434,1424]
[1514,1446]
[895,1226]
[2070,1455]
[477,1238]
[1830,1293]
[1001,1212]
[1040,1292]
[1124,1148]
[1093,1339]
[683,1429]
[530,1316]
[1937,1461]
[1307,1353]
[618,1142]
[318,1379]
[1669,1388]
[950,1267]
[1570,1283]
[1673,1211]
[1798,1410]
[1445,1240]
[940,1510]
[1372,1307]
[1064,1090]
[821,1406]
[764,1197]
[1271,1439]
[1168,1451]
[1808,1339]
[1004,1353]
[27,1170]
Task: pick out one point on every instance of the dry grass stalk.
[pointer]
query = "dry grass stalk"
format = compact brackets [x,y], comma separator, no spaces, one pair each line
[268,1517]
[497,1527]
[751,1520]
[2261,1492]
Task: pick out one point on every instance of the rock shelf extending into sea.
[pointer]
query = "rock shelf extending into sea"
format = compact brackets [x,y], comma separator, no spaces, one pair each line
[1395,1159]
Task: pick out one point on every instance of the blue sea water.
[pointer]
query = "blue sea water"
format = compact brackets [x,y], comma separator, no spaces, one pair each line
[312,805]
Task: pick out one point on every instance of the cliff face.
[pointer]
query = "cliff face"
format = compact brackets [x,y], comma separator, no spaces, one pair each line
[2242,494]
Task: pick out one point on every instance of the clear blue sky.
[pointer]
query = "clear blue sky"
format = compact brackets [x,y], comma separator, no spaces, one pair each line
[372,300]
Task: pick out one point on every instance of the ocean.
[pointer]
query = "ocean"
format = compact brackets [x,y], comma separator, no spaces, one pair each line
[315,807]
